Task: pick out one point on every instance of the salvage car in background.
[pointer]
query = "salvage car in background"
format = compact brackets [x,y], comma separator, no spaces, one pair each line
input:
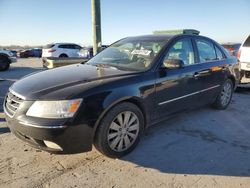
[36,52]
[244,58]
[6,58]
[62,50]
[83,55]
[88,52]
[232,48]
[14,52]
[110,100]
[24,54]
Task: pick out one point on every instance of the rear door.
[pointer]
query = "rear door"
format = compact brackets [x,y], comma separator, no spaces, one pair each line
[73,50]
[213,64]
[65,49]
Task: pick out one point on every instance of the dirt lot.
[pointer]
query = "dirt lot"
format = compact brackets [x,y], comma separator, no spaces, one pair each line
[202,148]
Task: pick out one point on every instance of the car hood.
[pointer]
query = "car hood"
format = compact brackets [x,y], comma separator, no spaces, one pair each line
[37,85]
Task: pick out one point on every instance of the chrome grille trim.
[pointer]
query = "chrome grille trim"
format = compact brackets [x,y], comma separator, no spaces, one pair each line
[12,103]
[17,94]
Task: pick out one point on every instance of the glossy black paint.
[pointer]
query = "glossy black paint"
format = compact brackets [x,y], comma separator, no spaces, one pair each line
[102,88]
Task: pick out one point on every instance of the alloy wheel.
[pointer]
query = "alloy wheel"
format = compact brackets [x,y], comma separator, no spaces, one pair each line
[226,93]
[123,131]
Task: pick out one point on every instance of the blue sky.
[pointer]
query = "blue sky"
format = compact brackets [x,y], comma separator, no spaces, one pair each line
[38,22]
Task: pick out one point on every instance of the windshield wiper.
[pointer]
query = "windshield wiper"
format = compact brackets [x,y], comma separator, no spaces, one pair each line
[103,65]
[112,66]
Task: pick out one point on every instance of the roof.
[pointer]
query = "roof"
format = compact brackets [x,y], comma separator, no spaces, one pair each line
[178,31]
[152,37]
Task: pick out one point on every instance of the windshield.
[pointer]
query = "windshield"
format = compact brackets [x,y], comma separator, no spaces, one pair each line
[132,54]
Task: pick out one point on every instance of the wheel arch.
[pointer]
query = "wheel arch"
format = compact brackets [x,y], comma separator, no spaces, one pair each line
[4,55]
[63,54]
[232,78]
[134,100]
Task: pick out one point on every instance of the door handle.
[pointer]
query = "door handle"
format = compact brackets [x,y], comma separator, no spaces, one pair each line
[196,75]
[201,73]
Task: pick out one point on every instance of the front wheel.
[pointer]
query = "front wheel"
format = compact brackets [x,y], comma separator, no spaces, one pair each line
[120,130]
[225,96]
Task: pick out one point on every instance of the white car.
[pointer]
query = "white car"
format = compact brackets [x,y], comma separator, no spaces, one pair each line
[61,50]
[244,58]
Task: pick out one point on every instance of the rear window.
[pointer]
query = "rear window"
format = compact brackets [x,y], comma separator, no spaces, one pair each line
[49,46]
[247,42]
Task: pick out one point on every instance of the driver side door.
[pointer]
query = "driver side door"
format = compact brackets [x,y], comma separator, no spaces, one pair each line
[177,89]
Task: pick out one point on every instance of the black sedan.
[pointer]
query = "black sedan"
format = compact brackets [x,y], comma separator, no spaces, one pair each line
[110,100]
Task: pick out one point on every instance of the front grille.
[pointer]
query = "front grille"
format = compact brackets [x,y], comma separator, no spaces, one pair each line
[12,103]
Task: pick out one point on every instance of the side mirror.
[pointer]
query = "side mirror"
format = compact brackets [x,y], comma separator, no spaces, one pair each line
[173,64]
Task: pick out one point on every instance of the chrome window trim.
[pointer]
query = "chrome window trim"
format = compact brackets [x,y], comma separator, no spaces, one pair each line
[184,96]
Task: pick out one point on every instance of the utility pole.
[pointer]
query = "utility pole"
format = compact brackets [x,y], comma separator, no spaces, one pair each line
[96,26]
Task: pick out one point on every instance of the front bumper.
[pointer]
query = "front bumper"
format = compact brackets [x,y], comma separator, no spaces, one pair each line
[71,138]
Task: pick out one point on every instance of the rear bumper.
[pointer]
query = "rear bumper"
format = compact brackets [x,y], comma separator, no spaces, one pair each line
[70,138]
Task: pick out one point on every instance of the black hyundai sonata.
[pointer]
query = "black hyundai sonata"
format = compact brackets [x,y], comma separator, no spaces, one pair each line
[110,100]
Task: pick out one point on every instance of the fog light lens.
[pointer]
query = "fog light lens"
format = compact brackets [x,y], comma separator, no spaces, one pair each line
[52,145]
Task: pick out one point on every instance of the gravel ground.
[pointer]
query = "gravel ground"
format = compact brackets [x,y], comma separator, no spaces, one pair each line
[201,148]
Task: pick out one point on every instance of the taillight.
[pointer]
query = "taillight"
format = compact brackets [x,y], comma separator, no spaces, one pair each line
[238,54]
[51,50]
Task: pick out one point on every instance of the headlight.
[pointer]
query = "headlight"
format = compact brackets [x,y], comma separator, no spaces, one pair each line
[11,54]
[54,109]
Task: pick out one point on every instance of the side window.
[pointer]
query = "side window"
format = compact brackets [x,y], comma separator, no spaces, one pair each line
[70,46]
[219,54]
[183,50]
[206,50]
[63,46]
[78,47]
[60,46]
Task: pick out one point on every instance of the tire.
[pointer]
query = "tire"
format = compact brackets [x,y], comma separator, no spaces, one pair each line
[4,63]
[63,56]
[225,96]
[115,140]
